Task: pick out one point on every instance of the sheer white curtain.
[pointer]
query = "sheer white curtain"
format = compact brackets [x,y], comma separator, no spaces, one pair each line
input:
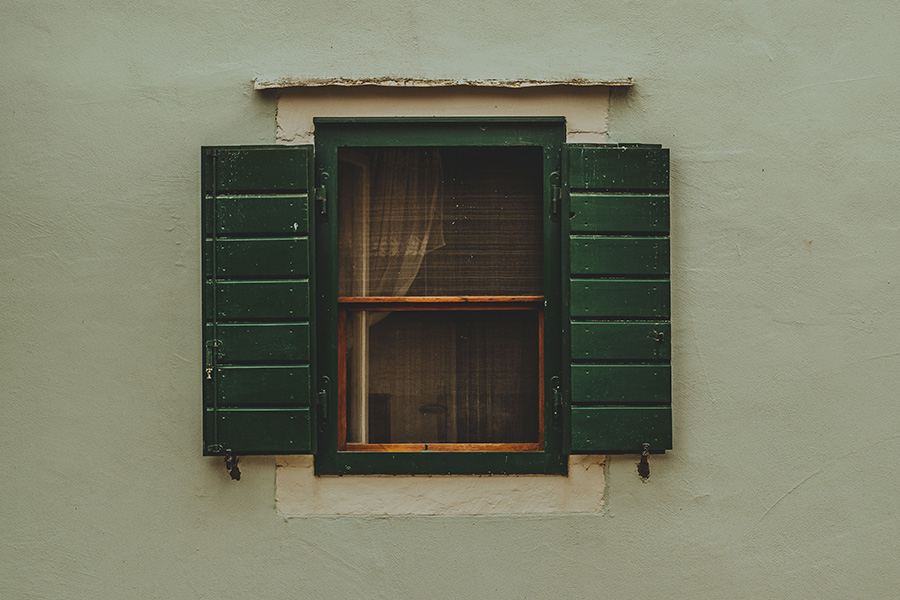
[389,220]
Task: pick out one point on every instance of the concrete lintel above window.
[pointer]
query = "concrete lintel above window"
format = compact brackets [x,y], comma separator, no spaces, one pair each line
[260,83]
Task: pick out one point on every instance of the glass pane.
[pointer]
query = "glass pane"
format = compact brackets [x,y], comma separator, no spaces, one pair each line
[443,377]
[448,221]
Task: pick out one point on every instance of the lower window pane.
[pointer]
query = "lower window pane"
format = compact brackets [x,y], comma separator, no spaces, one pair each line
[456,377]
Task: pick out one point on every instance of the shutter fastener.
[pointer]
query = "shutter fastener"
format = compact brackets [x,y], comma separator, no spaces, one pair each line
[644,466]
[231,464]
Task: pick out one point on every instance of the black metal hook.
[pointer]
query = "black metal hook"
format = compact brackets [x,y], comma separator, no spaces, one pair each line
[644,465]
[231,464]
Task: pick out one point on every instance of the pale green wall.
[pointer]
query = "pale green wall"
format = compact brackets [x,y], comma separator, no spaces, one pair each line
[783,127]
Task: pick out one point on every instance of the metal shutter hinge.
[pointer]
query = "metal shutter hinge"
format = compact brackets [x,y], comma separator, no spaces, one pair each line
[322,196]
[557,399]
[322,400]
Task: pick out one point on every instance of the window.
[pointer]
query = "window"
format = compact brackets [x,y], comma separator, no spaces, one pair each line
[436,296]
[442,231]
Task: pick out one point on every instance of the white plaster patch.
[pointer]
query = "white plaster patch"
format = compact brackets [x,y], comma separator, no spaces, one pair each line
[299,492]
[585,108]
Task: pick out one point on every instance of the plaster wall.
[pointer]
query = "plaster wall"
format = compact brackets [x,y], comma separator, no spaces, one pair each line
[782,122]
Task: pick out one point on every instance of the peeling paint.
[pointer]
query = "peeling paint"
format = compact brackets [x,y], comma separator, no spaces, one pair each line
[411,82]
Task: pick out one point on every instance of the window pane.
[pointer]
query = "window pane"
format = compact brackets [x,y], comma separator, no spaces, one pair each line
[440,221]
[443,377]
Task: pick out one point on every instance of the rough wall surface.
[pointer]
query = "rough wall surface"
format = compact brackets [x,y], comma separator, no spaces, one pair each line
[782,123]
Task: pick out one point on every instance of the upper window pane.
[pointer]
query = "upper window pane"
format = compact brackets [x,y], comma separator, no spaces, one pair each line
[449,221]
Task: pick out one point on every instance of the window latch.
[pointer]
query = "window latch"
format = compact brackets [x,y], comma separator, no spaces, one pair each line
[210,357]
[555,194]
[322,400]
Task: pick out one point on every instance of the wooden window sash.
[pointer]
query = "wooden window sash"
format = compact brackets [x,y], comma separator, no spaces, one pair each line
[427,304]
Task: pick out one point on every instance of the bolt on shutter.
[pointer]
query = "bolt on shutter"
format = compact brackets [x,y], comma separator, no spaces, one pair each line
[618,339]
[257,313]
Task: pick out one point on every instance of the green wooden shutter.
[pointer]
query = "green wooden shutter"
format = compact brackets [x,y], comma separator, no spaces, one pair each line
[617,265]
[257,308]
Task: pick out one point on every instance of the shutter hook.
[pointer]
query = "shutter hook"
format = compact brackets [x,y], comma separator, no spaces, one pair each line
[644,465]
[231,464]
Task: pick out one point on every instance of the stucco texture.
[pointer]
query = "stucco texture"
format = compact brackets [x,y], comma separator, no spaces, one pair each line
[782,122]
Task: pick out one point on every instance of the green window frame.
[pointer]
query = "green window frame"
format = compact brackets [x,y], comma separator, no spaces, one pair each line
[548,134]
[270,308]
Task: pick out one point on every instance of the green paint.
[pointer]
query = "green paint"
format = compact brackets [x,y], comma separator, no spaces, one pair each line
[262,300]
[278,215]
[619,298]
[259,169]
[626,168]
[627,256]
[258,333]
[245,385]
[620,213]
[620,429]
[621,384]
[251,431]
[245,258]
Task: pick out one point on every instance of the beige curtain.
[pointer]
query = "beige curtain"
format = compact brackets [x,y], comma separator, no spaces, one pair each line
[391,219]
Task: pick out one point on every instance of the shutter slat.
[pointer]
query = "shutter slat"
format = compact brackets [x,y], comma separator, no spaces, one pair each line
[620,298]
[620,341]
[275,215]
[250,169]
[596,255]
[621,384]
[621,429]
[258,281]
[618,383]
[246,258]
[620,213]
[262,300]
[262,386]
[262,343]
[265,431]
[623,168]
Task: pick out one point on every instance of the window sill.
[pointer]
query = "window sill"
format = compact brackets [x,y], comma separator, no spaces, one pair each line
[299,492]
[261,83]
